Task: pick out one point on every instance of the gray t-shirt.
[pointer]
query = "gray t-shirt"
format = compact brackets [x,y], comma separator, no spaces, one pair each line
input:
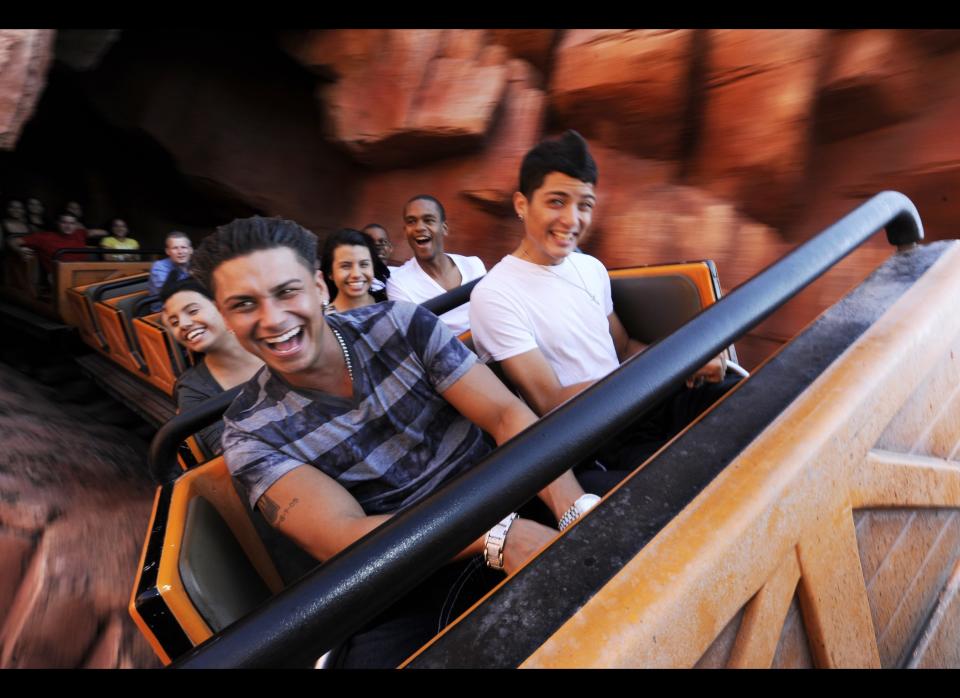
[393,443]
[195,386]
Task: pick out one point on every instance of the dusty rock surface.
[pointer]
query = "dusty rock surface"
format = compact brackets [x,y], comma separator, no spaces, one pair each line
[25,57]
[74,507]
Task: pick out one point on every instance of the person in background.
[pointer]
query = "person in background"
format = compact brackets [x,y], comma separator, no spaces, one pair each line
[384,247]
[45,244]
[350,265]
[119,239]
[193,320]
[36,216]
[179,250]
[431,271]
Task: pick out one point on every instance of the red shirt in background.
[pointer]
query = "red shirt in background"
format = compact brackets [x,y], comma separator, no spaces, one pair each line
[48,242]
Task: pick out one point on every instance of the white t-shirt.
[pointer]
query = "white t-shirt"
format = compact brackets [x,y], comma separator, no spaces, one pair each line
[561,310]
[409,282]
[377,284]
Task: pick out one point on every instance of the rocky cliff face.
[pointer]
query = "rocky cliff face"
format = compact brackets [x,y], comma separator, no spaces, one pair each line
[75,503]
[732,144]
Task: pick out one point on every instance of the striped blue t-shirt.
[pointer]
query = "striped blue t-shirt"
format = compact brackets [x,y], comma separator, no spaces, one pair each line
[390,445]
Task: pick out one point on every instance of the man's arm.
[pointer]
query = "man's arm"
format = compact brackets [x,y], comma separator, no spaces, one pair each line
[480,397]
[533,376]
[625,345]
[711,372]
[323,518]
[158,274]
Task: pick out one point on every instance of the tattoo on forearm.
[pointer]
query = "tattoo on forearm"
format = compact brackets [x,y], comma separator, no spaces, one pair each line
[271,510]
[291,505]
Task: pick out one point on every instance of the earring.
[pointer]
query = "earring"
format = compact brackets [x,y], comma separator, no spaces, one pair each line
[519,216]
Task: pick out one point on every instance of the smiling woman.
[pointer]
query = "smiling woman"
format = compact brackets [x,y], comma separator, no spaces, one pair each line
[192,317]
[350,264]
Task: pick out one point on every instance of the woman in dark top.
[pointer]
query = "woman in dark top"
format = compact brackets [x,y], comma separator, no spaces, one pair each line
[350,264]
[194,321]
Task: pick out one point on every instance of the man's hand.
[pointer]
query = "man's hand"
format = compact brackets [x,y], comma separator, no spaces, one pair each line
[712,372]
[524,540]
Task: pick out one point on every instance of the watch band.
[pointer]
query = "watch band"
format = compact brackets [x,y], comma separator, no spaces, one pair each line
[494,542]
[580,507]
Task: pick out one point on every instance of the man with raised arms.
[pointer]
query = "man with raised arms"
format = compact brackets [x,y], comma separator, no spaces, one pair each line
[546,314]
[357,416]
[431,271]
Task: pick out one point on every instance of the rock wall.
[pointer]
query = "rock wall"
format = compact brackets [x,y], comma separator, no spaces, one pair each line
[25,57]
[75,503]
[730,144]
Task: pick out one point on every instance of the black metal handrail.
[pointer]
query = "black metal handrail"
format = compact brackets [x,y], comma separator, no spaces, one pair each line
[162,458]
[346,592]
[438,305]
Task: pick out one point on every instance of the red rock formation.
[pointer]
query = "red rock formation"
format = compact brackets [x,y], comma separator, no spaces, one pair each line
[873,79]
[476,190]
[25,57]
[761,88]
[418,94]
[532,45]
[74,508]
[626,88]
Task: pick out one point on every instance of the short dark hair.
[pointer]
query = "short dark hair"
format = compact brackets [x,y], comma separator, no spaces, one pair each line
[174,285]
[245,235]
[176,234]
[568,155]
[374,225]
[427,197]
[349,236]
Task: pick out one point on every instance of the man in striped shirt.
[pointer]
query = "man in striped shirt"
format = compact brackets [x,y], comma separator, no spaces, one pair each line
[356,416]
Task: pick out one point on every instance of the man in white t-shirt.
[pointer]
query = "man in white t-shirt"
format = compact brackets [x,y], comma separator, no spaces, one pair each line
[431,271]
[547,316]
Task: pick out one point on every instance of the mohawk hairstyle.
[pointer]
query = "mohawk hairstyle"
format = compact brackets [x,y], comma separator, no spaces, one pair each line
[245,235]
[568,154]
[174,285]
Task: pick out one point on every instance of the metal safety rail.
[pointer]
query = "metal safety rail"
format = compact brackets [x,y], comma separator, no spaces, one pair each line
[350,589]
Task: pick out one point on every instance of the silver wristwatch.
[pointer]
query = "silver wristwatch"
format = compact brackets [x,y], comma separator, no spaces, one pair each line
[580,507]
[493,543]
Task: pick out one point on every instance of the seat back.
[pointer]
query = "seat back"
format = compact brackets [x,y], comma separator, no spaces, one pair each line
[161,354]
[203,565]
[68,275]
[114,317]
[77,307]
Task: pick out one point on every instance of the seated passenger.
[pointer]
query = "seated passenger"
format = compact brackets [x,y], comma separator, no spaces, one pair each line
[36,216]
[192,318]
[119,240]
[356,416]
[46,244]
[547,315]
[384,247]
[350,265]
[14,224]
[431,272]
[15,221]
[179,250]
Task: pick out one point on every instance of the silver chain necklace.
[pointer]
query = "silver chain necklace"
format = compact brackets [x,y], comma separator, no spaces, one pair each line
[343,348]
[583,284]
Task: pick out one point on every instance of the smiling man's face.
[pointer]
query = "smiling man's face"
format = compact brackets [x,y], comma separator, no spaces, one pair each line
[424,229]
[274,305]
